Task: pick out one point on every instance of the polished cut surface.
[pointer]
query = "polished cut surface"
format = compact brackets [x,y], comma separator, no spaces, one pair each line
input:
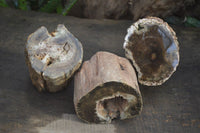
[153,48]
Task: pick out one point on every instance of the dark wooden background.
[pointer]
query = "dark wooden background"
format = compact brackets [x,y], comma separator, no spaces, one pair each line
[171,107]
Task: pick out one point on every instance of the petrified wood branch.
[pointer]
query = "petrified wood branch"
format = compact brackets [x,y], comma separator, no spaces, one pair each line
[152,46]
[52,58]
[106,88]
[119,9]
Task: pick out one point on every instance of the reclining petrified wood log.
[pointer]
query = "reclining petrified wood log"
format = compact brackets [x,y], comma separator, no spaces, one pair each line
[52,58]
[117,9]
[152,46]
[106,88]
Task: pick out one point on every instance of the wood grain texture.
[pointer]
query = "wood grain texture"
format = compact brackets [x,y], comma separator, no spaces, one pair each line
[105,75]
[171,107]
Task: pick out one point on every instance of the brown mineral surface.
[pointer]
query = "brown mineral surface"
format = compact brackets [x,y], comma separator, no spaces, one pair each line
[153,48]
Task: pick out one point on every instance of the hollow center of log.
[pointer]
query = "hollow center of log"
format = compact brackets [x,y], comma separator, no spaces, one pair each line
[115,107]
[149,52]
[52,50]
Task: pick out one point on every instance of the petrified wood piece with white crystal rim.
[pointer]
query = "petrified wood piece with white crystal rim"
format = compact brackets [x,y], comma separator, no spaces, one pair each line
[152,46]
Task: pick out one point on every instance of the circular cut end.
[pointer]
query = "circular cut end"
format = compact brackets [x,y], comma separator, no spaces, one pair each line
[55,57]
[153,48]
[112,100]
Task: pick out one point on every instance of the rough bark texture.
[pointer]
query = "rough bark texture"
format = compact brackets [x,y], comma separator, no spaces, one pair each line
[106,79]
[105,8]
[116,9]
[52,58]
[152,46]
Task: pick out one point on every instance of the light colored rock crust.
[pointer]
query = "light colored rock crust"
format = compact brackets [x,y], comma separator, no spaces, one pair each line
[52,58]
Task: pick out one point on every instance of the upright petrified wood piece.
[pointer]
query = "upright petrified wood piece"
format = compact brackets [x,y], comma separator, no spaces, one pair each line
[106,88]
[152,46]
[52,58]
